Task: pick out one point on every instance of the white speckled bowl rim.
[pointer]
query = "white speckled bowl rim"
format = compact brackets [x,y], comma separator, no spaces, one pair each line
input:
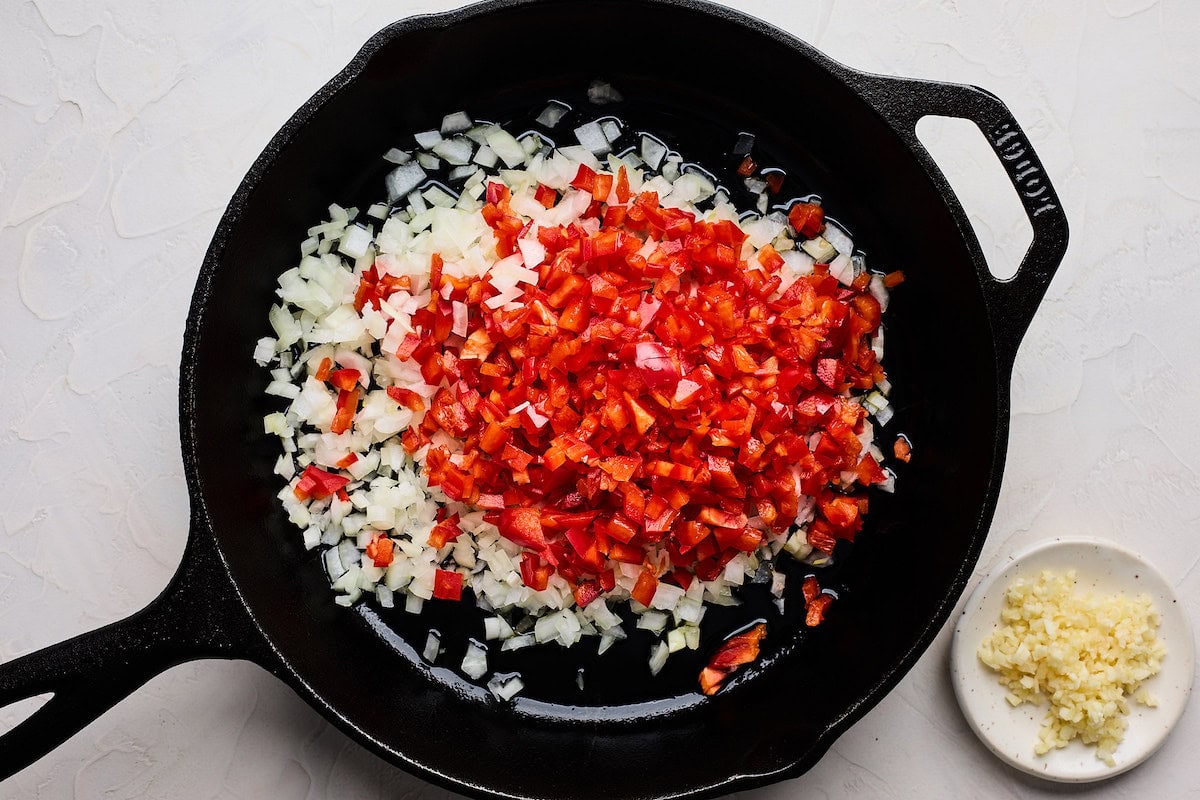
[1009,732]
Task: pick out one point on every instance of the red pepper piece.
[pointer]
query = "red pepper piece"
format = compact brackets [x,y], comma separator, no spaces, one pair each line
[322,373]
[585,179]
[734,653]
[344,379]
[622,187]
[447,584]
[807,218]
[347,406]
[317,484]
[407,398]
[444,532]
[815,613]
[380,551]
[644,589]
[534,573]
[546,196]
[408,346]
[586,592]
[522,526]
[810,589]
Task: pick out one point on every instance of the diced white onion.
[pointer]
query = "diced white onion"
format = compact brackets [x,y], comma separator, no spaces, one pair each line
[456,151]
[474,663]
[456,122]
[653,151]
[433,647]
[658,658]
[403,179]
[506,147]
[552,114]
[505,689]
[591,136]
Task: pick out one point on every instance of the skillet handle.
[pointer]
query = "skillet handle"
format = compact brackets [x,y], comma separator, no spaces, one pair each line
[198,615]
[1011,302]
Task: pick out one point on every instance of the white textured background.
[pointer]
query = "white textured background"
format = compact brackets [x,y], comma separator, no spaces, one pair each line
[126,126]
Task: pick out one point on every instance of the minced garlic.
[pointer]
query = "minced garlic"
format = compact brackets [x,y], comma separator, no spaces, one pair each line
[1086,654]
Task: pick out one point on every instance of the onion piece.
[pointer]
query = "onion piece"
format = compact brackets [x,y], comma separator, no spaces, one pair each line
[333,564]
[611,129]
[602,93]
[397,156]
[506,147]
[653,151]
[456,122]
[403,179]
[427,139]
[838,237]
[505,687]
[517,642]
[456,151]
[356,241]
[591,136]
[820,249]
[486,157]
[433,647]
[553,113]
[659,657]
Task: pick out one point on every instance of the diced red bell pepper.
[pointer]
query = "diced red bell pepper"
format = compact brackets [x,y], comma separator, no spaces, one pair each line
[435,273]
[869,471]
[522,526]
[408,346]
[586,592]
[735,652]
[534,573]
[720,518]
[622,188]
[380,551]
[585,178]
[810,589]
[546,196]
[447,584]
[323,369]
[407,398]
[347,407]
[344,379]
[444,532]
[602,187]
[643,591]
[807,218]
[815,613]
[317,484]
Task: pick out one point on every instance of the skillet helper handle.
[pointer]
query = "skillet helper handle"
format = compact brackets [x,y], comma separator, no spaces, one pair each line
[198,615]
[1011,302]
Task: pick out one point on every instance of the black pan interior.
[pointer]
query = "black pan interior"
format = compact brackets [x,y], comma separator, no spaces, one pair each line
[697,79]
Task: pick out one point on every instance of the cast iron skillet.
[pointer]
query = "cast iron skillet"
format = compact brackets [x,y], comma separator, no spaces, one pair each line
[698,74]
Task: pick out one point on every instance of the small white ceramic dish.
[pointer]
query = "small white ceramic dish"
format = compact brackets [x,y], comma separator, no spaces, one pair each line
[1010,733]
